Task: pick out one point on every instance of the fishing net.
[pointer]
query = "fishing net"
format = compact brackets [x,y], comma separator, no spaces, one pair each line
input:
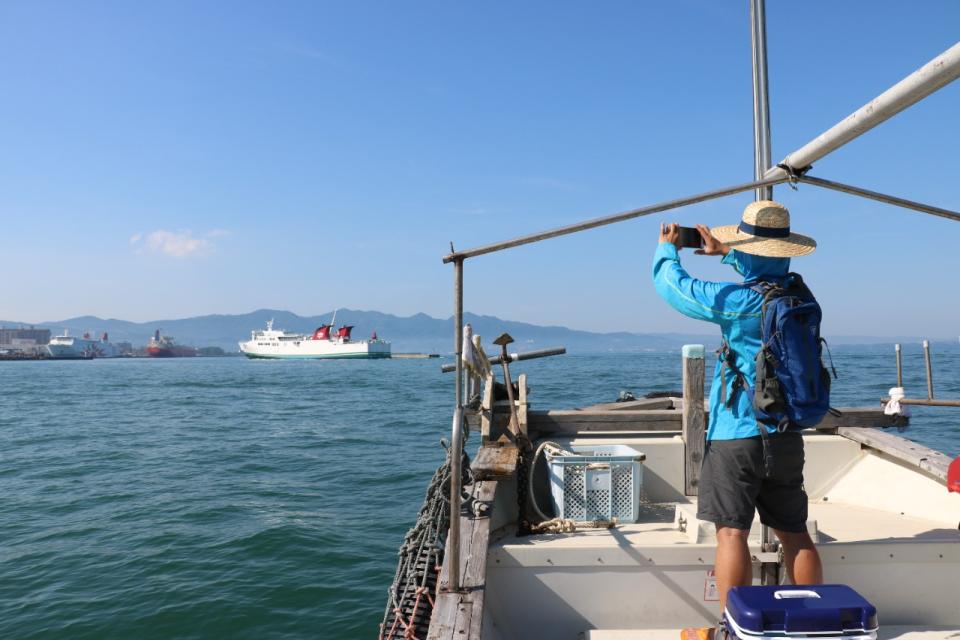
[411,597]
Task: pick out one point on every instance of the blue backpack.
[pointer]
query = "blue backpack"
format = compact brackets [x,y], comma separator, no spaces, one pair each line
[792,388]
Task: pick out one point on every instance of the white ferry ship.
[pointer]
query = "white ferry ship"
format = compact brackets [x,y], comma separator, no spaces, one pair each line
[67,347]
[320,344]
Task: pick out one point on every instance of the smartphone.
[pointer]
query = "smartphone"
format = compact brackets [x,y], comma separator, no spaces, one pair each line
[690,237]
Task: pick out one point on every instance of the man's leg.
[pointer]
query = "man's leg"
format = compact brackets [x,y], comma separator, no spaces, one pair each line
[800,557]
[733,567]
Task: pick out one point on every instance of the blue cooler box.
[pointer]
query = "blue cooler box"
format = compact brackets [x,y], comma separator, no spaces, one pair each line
[818,611]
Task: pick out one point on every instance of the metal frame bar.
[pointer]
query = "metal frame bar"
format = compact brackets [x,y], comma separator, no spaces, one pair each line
[619,217]
[514,357]
[929,366]
[929,401]
[769,571]
[937,73]
[456,435]
[880,197]
[761,102]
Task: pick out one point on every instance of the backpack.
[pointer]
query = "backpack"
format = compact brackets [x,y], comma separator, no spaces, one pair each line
[792,388]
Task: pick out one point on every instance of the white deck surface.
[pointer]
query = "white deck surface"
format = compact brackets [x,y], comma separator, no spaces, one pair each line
[834,523]
[882,528]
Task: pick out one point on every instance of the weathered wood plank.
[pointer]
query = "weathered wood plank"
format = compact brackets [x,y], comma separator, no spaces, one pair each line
[861,417]
[572,421]
[693,417]
[460,614]
[522,407]
[899,448]
[443,620]
[475,568]
[583,421]
[493,462]
[633,405]
[475,573]
[678,404]
[486,410]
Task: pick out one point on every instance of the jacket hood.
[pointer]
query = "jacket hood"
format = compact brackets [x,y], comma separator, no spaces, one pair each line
[756,267]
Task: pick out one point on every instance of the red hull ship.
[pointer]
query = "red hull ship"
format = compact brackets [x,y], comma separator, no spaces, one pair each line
[165,347]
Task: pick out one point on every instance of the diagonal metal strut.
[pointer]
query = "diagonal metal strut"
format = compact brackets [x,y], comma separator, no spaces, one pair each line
[937,73]
[618,217]
[881,197]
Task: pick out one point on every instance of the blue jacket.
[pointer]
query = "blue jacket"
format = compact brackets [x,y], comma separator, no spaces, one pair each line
[736,308]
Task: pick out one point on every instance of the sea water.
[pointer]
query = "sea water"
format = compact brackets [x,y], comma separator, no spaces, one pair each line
[227,498]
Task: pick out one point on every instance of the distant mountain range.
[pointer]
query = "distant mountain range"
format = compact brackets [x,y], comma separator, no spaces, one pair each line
[417,333]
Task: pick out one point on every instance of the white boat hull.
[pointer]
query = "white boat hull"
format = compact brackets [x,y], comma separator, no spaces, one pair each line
[315,349]
[70,348]
[283,345]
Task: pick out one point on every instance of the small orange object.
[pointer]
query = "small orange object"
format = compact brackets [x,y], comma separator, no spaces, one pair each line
[706,633]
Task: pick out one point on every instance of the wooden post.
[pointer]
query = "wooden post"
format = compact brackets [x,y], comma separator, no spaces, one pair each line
[522,420]
[486,410]
[926,359]
[693,417]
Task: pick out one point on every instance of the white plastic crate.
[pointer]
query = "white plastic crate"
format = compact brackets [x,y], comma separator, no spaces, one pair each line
[601,483]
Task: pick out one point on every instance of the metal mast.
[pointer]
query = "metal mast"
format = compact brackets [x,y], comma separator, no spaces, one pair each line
[761,104]
[761,163]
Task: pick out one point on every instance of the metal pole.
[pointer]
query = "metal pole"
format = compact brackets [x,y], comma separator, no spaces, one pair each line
[937,73]
[761,161]
[931,403]
[456,438]
[926,358]
[619,217]
[881,197]
[514,421]
[761,102]
[899,366]
[458,328]
[516,357]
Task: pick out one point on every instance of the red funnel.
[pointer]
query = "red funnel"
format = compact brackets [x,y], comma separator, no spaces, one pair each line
[953,476]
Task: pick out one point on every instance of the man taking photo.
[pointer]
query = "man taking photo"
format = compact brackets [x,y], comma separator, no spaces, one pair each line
[743,472]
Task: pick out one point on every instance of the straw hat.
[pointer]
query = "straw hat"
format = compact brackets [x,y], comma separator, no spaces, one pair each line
[764,230]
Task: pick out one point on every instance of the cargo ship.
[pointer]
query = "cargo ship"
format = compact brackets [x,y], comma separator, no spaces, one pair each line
[322,343]
[166,347]
[67,347]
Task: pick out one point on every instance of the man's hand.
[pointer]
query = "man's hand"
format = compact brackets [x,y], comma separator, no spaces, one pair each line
[670,233]
[711,246]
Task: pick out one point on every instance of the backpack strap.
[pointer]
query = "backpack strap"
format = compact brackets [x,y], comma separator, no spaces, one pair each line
[767,290]
[729,361]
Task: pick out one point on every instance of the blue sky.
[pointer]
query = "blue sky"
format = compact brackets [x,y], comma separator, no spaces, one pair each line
[174,159]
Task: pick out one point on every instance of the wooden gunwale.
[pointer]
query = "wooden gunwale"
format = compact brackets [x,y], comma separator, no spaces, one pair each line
[573,421]
[889,445]
[459,614]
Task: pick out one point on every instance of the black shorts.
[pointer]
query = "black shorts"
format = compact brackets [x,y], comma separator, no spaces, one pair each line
[733,483]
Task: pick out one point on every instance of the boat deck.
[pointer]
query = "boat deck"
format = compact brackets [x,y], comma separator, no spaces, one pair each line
[878,511]
[829,523]
[640,579]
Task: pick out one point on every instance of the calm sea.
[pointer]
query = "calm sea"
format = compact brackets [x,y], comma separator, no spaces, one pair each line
[226,498]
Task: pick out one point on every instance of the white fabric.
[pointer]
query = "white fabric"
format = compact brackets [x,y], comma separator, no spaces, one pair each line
[893,406]
[483,363]
[474,358]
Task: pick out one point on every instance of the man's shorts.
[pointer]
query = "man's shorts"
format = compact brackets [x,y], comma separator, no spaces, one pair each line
[733,483]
